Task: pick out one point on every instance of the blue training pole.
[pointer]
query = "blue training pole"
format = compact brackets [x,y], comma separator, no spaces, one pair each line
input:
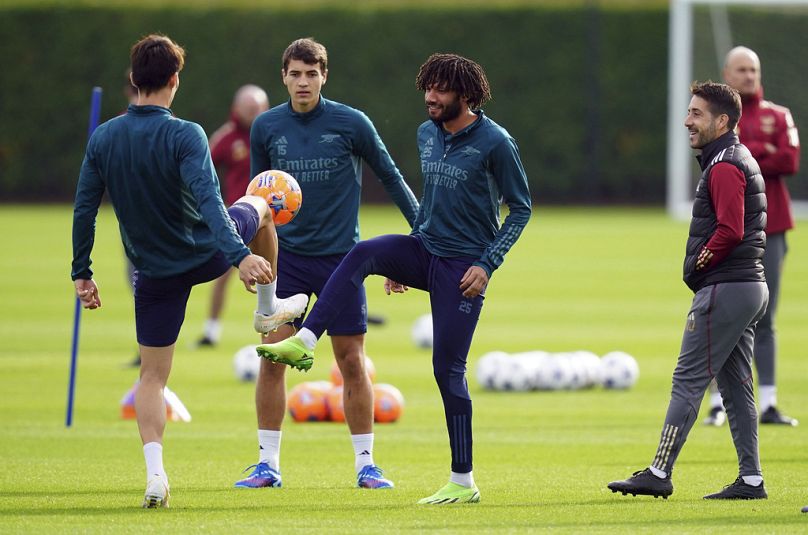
[95,114]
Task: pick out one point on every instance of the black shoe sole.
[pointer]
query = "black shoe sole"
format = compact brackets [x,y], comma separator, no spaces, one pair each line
[737,498]
[637,493]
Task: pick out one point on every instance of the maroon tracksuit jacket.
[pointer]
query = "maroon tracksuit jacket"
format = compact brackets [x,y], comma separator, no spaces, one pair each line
[769,133]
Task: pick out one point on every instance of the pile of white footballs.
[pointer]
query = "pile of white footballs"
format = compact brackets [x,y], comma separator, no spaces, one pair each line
[539,370]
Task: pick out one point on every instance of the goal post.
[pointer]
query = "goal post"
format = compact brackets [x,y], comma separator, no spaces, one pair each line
[680,163]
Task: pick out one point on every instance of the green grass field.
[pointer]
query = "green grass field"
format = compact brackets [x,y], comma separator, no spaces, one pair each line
[580,278]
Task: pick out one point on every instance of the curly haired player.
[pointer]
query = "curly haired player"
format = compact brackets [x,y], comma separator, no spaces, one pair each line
[470,165]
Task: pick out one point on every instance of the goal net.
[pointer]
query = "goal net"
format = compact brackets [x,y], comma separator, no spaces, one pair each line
[701,33]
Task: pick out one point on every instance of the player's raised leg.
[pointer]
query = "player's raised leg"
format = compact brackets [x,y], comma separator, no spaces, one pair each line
[390,255]
[271,312]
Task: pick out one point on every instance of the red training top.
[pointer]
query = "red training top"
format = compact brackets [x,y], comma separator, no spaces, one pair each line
[727,188]
[230,149]
[769,133]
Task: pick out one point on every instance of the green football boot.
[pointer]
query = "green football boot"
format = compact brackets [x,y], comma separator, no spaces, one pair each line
[291,352]
[452,493]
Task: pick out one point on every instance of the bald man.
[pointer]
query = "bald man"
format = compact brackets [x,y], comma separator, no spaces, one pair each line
[769,132]
[230,150]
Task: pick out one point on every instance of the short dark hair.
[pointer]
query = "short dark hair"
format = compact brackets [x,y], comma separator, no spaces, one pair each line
[155,59]
[308,51]
[455,73]
[721,99]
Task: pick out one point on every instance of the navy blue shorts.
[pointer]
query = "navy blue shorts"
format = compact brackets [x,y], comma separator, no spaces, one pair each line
[160,303]
[307,275]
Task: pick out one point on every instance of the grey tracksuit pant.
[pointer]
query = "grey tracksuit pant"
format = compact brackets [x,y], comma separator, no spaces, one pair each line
[765,340]
[718,342]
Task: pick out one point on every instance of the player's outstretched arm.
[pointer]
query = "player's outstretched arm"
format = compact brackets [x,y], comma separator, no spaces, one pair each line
[254,269]
[87,292]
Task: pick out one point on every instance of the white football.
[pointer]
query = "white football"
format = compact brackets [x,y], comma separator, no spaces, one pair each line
[579,375]
[530,361]
[246,364]
[554,373]
[619,370]
[590,363]
[512,374]
[422,331]
[487,368]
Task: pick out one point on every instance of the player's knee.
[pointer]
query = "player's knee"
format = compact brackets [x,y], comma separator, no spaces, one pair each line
[271,372]
[153,377]
[352,366]
[452,382]
[260,206]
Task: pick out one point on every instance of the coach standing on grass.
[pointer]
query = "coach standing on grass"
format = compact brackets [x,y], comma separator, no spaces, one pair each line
[768,131]
[723,267]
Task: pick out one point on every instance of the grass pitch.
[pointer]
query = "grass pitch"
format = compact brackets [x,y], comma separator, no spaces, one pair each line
[596,279]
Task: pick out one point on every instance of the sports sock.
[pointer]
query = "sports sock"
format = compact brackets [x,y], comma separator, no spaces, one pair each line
[755,481]
[363,450]
[266,298]
[768,396]
[153,452]
[213,329]
[269,448]
[308,338]
[715,400]
[661,474]
[464,479]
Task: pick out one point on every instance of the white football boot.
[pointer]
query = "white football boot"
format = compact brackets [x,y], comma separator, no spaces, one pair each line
[157,494]
[285,311]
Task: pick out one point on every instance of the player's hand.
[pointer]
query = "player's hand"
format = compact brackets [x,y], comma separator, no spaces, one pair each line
[474,281]
[394,287]
[254,270]
[87,292]
[704,258]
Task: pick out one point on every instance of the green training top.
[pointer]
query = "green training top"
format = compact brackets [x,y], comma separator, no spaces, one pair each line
[467,175]
[324,149]
[160,178]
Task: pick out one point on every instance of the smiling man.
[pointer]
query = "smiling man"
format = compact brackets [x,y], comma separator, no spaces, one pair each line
[322,144]
[723,268]
[470,166]
[768,131]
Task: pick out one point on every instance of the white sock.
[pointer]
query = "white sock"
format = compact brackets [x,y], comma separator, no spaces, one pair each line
[363,450]
[266,298]
[153,452]
[715,400]
[269,448]
[755,481]
[661,474]
[768,396]
[466,480]
[213,329]
[308,338]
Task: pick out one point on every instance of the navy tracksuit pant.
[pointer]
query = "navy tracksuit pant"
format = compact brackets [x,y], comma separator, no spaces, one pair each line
[406,260]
